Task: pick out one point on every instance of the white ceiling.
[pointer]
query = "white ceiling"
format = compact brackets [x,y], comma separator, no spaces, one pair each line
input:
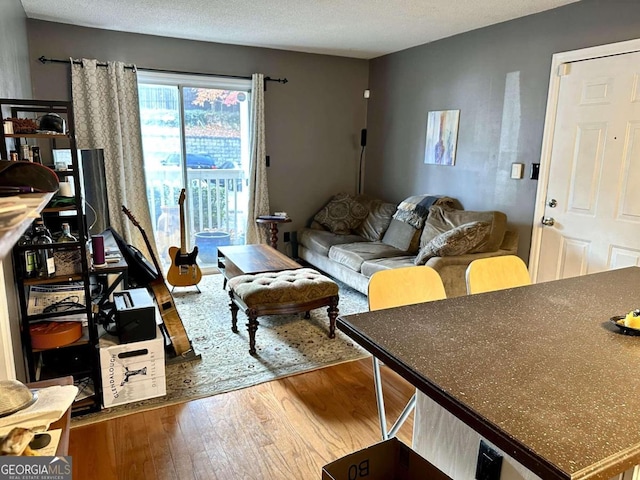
[351,28]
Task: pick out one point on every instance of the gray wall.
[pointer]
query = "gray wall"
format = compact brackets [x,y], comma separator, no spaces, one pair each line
[15,82]
[468,72]
[313,122]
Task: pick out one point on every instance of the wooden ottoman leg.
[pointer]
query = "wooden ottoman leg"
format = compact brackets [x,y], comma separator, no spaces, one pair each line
[234,313]
[252,327]
[333,314]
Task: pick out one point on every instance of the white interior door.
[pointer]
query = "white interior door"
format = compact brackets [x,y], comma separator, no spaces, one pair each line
[593,192]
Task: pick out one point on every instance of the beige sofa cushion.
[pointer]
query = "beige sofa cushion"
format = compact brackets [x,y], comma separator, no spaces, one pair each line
[378,219]
[442,219]
[352,255]
[321,241]
[457,241]
[370,267]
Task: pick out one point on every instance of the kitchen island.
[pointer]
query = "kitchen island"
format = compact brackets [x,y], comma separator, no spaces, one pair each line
[540,372]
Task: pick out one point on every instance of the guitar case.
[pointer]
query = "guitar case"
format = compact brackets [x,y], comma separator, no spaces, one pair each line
[141,272]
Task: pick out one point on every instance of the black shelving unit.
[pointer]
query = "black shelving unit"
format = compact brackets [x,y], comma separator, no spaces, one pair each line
[80,358]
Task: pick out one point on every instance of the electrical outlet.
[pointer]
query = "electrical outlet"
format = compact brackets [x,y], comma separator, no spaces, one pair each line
[489,463]
[286,236]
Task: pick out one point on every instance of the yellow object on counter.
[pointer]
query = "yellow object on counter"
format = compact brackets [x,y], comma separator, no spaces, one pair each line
[632,320]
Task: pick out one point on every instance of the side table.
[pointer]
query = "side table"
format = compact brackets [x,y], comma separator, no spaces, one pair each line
[273,221]
[110,276]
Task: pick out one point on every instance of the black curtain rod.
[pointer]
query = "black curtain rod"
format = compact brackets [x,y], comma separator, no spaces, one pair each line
[131,67]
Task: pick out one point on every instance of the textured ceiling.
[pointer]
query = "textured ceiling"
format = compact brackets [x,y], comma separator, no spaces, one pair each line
[351,28]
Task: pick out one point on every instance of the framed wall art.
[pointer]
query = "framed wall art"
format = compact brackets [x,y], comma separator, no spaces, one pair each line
[442,137]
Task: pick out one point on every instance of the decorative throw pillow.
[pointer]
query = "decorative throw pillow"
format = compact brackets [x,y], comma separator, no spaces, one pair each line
[457,241]
[342,214]
[377,220]
[402,236]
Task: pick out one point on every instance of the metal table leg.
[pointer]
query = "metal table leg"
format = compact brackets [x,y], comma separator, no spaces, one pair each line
[387,434]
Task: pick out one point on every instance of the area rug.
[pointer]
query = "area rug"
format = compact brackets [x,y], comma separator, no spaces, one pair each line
[286,345]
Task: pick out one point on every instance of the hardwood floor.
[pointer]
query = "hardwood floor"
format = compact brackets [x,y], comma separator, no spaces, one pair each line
[288,428]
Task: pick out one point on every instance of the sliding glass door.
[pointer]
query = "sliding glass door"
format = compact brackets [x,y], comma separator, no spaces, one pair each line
[195,135]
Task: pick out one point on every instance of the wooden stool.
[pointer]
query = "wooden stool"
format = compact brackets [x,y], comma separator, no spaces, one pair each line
[277,293]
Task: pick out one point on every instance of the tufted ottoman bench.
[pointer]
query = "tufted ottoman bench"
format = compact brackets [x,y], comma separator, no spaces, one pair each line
[277,293]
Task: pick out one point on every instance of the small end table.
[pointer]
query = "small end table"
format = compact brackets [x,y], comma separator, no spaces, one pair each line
[273,221]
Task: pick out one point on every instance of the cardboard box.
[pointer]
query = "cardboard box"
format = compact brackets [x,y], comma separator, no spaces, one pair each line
[131,371]
[386,460]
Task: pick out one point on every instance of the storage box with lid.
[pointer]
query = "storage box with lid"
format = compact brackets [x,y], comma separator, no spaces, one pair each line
[132,371]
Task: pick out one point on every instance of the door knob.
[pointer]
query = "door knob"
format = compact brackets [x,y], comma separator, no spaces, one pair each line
[548,221]
[552,203]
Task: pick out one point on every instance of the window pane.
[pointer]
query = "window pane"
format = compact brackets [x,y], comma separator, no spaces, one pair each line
[197,138]
[214,124]
[160,125]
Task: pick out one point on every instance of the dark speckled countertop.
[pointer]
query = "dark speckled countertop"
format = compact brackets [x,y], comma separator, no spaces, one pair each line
[539,370]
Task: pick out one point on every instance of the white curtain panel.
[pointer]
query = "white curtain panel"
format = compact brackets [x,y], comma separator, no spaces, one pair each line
[107,116]
[258,188]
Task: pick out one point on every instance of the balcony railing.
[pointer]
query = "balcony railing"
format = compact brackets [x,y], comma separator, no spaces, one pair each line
[216,208]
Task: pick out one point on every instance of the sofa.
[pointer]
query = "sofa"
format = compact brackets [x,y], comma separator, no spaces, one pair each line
[352,237]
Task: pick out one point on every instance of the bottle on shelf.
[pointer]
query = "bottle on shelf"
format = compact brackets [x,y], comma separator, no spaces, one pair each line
[28,255]
[66,236]
[36,155]
[25,153]
[45,264]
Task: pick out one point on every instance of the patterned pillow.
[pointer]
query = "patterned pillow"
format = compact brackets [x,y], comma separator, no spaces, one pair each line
[342,214]
[457,241]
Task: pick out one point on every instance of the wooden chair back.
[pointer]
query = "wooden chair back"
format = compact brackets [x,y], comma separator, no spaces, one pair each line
[496,273]
[395,288]
[404,286]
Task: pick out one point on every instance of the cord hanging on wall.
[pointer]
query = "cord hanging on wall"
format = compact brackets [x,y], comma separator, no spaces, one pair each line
[363,144]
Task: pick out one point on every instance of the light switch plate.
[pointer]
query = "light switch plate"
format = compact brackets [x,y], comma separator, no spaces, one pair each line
[517,170]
